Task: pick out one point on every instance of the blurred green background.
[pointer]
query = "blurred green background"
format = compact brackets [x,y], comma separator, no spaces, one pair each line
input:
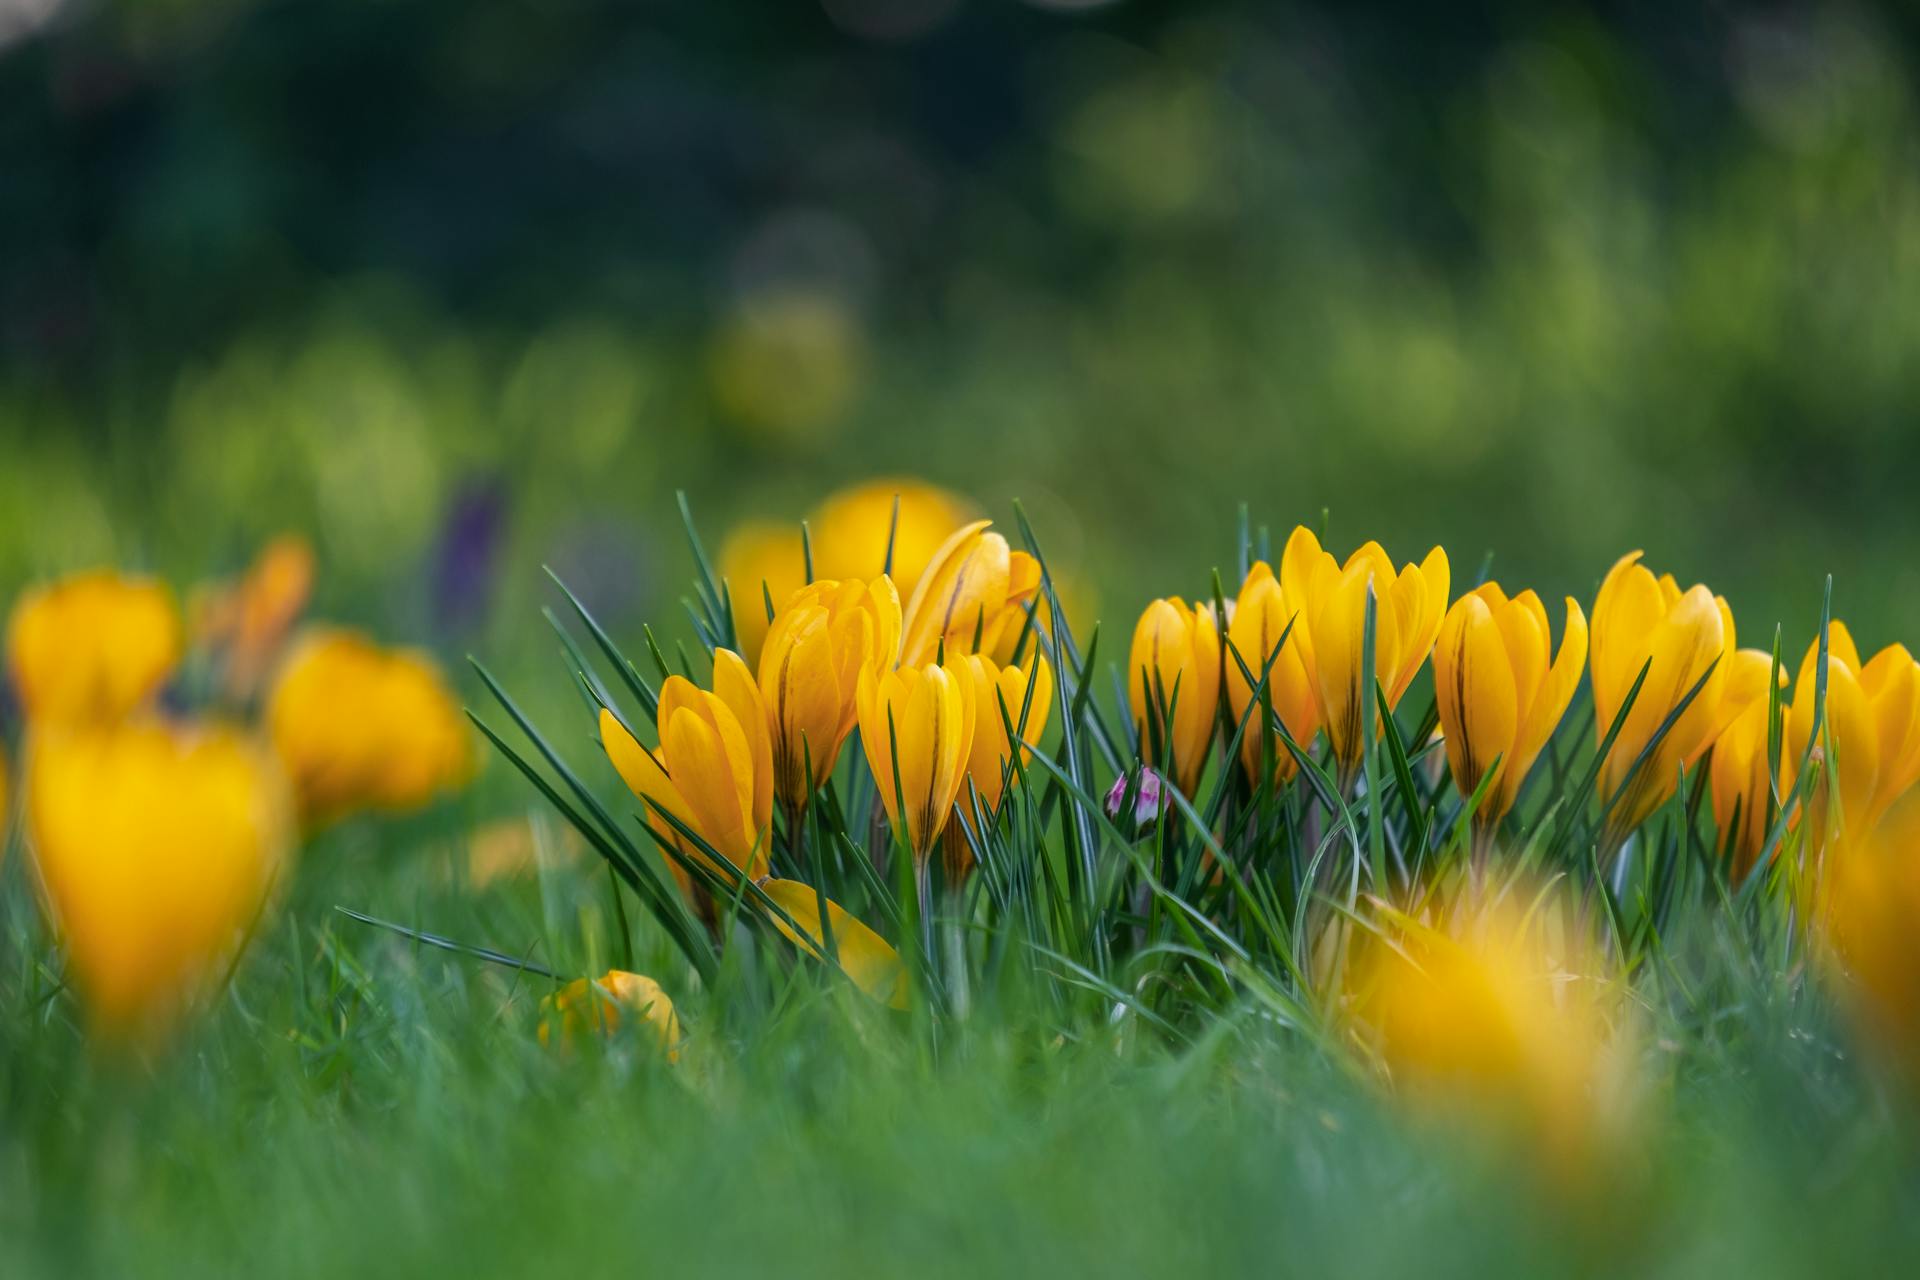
[460,287]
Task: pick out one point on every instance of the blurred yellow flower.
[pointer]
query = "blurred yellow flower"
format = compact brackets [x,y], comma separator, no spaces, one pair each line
[1261,616]
[251,618]
[1874,947]
[92,647]
[789,363]
[818,647]
[997,689]
[924,718]
[1485,1021]
[359,726]
[157,845]
[1173,670]
[1332,600]
[602,1005]
[713,770]
[1640,619]
[1501,690]
[973,598]
[848,533]
[864,955]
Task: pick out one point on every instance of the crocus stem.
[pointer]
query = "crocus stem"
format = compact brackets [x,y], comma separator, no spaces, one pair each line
[923,889]
[953,934]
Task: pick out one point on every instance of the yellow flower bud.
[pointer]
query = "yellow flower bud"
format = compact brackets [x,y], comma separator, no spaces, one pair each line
[973,598]
[1261,616]
[996,688]
[603,1005]
[1332,600]
[92,647]
[1740,782]
[713,770]
[1174,668]
[362,727]
[1501,690]
[848,533]
[828,633]
[157,846]
[924,718]
[1637,619]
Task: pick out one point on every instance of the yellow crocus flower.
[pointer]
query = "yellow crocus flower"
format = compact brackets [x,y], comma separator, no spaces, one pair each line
[1481,1023]
[1640,619]
[1873,723]
[360,726]
[713,770]
[828,633]
[1261,616]
[997,688]
[973,598]
[848,532]
[1332,600]
[92,647]
[604,1004]
[157,845]
[923,717]
[1174,666]
[1501,689]
[1739,779]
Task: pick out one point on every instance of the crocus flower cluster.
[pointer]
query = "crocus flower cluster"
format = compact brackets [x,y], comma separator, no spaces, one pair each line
[160,825]
[941,691]
[1668,681]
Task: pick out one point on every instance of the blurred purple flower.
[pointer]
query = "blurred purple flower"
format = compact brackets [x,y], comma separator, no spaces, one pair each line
[467,560]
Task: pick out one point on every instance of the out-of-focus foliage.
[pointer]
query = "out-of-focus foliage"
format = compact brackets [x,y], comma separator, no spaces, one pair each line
[467,287]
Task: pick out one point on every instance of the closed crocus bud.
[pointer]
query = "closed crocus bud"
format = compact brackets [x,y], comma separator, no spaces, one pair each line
[92,647]
[605,1005]
[963,595]
[1872,724]
[828,633]
[157,845]
[1891,681]
[848,534]
[359,726]
[713,769]
[1260,618]
[1640,619]
[1332,603]
[997,690]
[923,717]
[1501,689]
[1001,697]
[1173,686]
[1740,780]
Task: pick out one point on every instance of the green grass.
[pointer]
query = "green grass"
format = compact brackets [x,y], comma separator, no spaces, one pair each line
[358,1106]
